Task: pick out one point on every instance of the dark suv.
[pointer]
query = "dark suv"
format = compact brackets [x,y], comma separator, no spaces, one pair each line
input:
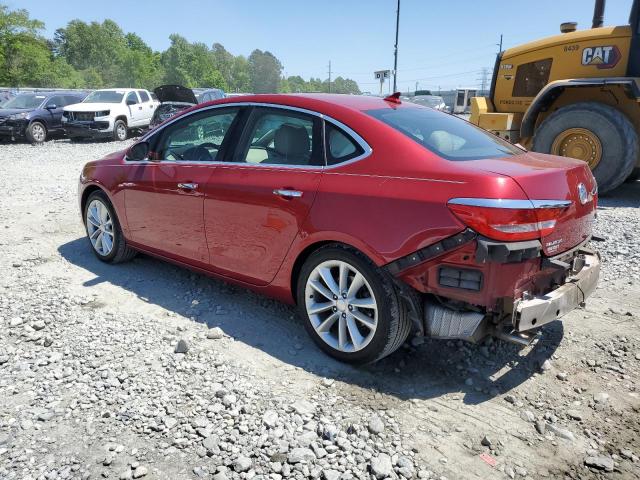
[35,116]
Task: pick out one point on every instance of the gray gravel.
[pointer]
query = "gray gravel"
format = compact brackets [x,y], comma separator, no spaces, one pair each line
[145,370]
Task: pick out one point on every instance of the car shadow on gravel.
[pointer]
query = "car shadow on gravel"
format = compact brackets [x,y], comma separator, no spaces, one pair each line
[475,373]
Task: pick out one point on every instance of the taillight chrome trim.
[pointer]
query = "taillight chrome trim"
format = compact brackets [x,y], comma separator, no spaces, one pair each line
[510,203]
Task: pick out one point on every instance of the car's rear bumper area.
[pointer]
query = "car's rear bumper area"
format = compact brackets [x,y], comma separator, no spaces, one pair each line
[468,286]
[87,129]
[540,310]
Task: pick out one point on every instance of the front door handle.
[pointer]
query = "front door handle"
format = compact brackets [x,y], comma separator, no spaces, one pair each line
[188,186]
[287,193]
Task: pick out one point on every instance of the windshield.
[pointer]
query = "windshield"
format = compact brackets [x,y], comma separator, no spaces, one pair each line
[104,96]
[25,101]
[448,136]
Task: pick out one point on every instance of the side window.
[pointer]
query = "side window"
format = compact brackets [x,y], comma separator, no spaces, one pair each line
[198,137]
[132,98]
[281,137]
[340,147]
[58,101]
[143,96]
[531,78]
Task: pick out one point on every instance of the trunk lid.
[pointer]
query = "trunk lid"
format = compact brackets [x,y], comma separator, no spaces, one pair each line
[175,93]
[546,177]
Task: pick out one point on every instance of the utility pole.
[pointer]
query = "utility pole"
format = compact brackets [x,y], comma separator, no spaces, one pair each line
[329,76]
[500,44]
[416,87]
[395,50]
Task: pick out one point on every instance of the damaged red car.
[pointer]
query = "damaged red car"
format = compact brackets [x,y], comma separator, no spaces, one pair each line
[379,219]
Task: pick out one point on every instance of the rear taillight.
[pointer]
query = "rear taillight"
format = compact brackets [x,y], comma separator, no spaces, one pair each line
[509,220]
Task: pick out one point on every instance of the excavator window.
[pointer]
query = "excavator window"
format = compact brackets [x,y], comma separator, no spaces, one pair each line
[531,78]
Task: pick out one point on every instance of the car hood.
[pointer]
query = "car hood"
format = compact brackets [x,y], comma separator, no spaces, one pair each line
[175,93]
[90,107]
[5,112]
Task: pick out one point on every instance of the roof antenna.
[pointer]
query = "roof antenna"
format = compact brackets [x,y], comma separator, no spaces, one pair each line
[393,98]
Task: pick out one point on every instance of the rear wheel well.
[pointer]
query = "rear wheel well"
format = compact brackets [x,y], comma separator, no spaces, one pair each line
[302,257]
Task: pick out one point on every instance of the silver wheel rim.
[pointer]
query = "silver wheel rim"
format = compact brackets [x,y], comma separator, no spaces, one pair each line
[341,306]
[121,131]
[37,132]
[100,227]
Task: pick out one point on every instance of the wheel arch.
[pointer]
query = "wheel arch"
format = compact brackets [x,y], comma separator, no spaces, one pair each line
[548,96]
[308,250]
[123,118]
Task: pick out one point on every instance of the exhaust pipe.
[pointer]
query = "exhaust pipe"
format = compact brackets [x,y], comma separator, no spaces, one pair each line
[598,14]
[519,338]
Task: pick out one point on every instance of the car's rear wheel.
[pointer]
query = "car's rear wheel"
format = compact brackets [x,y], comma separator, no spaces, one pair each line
[352,309]
[36,133]
[120,131]
[104,231]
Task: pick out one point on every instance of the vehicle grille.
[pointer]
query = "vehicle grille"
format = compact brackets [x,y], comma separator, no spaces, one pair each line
[82,116]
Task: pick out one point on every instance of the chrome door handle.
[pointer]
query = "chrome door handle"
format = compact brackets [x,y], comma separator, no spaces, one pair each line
[188,186]
[287,193]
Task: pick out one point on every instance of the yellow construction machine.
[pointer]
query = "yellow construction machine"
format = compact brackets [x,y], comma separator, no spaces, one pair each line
[576,94]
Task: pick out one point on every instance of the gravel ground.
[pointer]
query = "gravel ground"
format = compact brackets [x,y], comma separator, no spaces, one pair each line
[146,370]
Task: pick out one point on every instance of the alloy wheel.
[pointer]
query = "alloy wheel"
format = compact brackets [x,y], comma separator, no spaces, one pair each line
[100,227]
[341,306]
[121,131]
[37,132]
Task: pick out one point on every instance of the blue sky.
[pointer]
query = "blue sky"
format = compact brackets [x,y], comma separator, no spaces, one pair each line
[442,43]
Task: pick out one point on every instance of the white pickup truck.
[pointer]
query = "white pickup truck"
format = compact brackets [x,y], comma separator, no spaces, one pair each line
[109,113]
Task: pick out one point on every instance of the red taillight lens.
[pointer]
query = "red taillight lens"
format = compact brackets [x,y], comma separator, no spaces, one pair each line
[508,220]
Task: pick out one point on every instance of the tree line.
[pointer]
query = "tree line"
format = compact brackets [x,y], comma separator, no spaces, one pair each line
[97,55]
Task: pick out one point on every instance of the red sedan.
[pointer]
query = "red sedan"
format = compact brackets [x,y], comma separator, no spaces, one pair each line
[379,219]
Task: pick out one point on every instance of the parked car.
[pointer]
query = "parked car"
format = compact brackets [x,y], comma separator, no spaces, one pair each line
[379,218]
[5,95]
[35,116]
[432,101]
[209,94]
[172,99]
[109,113]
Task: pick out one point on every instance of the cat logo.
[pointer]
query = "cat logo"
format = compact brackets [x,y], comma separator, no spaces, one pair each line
[601,57]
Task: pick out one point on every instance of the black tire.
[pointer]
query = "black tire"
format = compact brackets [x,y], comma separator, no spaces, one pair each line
[617,135]
[119,126]
[633,176]
[120,251]
[36,133]
[394,324]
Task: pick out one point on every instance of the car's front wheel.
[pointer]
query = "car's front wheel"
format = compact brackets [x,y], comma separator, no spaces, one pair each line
[36,133]
[104,231]
[352,309]
[120,131]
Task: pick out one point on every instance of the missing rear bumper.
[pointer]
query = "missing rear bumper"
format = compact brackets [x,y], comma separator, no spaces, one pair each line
[538,311]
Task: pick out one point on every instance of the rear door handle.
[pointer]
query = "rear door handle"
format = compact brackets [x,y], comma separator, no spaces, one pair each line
[188,186]
[287,193]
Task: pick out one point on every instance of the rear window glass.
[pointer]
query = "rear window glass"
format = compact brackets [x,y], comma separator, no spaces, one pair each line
[143,96]
[448,136]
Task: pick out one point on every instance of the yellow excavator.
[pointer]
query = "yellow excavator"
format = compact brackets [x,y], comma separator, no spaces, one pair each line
[576,94]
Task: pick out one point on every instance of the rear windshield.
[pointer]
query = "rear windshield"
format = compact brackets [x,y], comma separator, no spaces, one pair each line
[448,136]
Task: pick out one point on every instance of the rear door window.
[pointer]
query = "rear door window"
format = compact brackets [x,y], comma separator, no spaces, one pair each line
[450,137]
[143,96]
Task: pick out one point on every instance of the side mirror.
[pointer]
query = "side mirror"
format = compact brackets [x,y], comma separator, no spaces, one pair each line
[131,102]
[51,106]
[138,151]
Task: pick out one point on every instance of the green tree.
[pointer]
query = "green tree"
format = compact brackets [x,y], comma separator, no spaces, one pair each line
[265,71]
